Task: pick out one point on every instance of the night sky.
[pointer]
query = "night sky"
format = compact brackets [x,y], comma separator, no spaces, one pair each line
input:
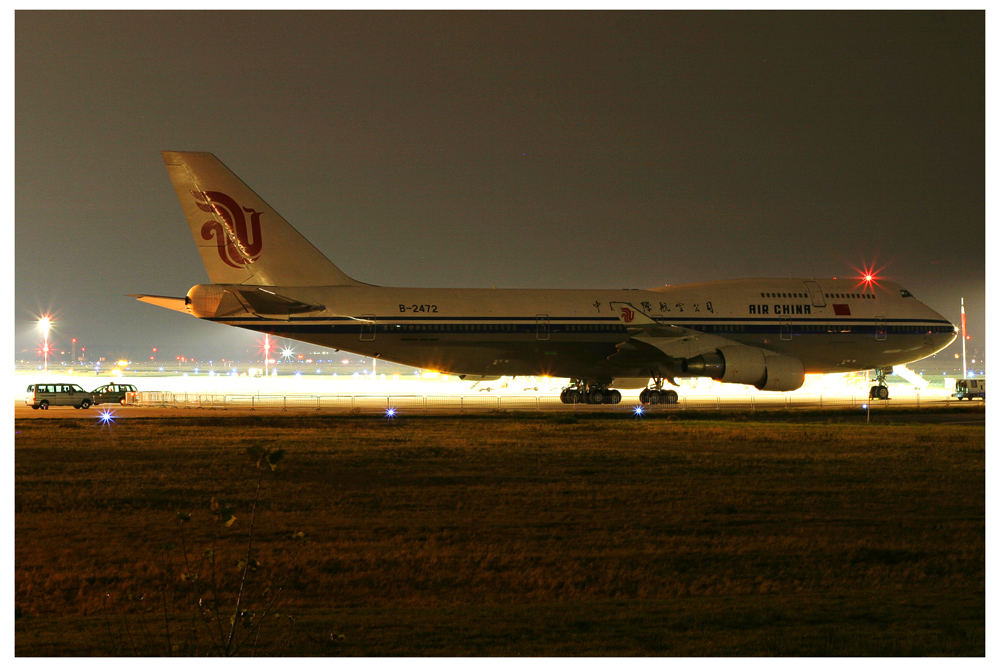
[481,149]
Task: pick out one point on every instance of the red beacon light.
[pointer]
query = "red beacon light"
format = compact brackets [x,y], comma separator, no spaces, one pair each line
[868,278]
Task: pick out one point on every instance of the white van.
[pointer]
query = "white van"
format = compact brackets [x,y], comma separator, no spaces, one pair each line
[41,396]
[970,389]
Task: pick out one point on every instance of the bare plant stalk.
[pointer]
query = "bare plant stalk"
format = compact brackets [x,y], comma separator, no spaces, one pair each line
[246,564]
[216,639]
[166,622]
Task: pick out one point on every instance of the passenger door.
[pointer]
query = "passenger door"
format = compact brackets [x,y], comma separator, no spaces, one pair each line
[368,328]
[542,327]
[815,293]
[881,331]
[786,330]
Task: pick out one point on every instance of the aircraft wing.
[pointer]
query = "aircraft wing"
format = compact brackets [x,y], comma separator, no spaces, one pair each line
[664,339]
[668,350]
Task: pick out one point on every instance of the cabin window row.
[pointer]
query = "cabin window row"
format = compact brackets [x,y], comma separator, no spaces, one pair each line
[616,328]
[850,295]
[499,328]
[454,328]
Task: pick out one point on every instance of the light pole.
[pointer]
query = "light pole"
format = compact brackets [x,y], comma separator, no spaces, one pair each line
[44,324]
[965,373]
[267,353]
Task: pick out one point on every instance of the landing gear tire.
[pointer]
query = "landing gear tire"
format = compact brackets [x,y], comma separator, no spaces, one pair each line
[879,392]
[657,396]
[569,396]
[592,394]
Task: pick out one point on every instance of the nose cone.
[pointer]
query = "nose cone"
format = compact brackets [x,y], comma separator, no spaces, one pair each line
[941,332]
[936,331]
[942,340]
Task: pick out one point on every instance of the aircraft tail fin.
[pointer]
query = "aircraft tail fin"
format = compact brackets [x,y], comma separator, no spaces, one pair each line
[242,240]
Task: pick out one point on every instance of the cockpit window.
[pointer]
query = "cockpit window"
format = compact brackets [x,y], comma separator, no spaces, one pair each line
[905,293]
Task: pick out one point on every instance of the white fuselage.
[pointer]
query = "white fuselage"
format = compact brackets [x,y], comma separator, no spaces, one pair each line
[830,325]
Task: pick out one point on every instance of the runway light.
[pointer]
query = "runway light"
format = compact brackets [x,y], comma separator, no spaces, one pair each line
[638,411]
[390,413]
[106,417]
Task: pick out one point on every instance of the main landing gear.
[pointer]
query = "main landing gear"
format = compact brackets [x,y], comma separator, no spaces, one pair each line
[879,391]
[657,394]
[594,393]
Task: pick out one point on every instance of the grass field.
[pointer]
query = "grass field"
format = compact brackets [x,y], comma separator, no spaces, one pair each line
[535,535]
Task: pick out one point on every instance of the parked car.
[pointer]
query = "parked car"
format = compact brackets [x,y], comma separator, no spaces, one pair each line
[41,396]
[115,393]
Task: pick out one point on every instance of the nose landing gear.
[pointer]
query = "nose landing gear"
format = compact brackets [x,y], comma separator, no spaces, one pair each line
[879,391]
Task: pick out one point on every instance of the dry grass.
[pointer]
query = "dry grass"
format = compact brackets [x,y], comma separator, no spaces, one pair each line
[497,536]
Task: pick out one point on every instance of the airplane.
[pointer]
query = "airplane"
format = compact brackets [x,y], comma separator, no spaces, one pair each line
[765,332]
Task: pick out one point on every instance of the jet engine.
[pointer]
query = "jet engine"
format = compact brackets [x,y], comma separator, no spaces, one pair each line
[742,364]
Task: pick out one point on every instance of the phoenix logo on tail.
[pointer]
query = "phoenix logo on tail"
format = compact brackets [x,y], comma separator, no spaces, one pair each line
[234,240]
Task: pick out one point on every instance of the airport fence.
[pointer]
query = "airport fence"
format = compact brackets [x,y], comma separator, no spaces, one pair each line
[427,404]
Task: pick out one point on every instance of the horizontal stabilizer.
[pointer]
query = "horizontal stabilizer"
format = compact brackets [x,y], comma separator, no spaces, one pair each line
[265,302]
[177,303]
